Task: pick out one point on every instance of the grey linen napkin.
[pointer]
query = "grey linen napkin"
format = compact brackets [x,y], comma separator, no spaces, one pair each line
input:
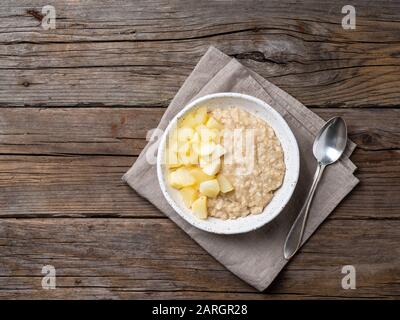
[255,257]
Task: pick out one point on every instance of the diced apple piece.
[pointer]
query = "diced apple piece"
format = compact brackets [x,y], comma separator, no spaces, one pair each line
[207,134]
[174,165]
[212,123]
[199,208]
[185,134]
[204,161]
[189,195]
[184,148]
[181,178]
[172,148]
[224,184]
[195,138]
[196,147]
[213,167]
[199,175]
[189,158]
[218,151]
[201,115]
[206,148]
[188,121]
[209,188]
[201,127]
[172,160]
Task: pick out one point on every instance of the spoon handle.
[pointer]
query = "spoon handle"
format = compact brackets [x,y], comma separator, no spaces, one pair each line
[295,234]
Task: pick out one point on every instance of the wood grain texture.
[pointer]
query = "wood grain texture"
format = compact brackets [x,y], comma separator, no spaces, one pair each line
[119,258]
[69,162]
[76,104]
[74,131]
[138,54]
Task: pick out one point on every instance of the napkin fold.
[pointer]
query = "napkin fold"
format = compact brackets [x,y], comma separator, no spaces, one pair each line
[255,257]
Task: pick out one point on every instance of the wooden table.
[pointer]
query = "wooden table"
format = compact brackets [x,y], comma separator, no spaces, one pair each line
[76,104]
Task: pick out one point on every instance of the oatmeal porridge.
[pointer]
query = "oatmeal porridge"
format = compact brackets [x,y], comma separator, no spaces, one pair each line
[254,180]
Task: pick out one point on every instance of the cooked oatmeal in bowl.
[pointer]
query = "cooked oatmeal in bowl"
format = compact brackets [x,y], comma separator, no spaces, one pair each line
[255,180]
[228,163]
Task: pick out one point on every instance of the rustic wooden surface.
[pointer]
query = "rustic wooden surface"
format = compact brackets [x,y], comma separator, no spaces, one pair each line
[76,103]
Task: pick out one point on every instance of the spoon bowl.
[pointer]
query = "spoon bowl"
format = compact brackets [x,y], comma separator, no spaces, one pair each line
[331,141]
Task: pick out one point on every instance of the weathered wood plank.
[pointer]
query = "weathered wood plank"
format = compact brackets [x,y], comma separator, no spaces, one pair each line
[122,131]
[91,186]
[120,258]
[331,79]
[139,53]
[68,186]
[372,129]
[163,20]
[101,131]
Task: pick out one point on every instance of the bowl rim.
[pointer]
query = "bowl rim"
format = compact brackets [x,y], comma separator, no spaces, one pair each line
[200,223]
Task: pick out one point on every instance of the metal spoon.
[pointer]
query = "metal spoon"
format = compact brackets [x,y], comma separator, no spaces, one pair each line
[328,146]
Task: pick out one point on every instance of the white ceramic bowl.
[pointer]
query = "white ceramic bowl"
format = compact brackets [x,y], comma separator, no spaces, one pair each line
[281,196]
